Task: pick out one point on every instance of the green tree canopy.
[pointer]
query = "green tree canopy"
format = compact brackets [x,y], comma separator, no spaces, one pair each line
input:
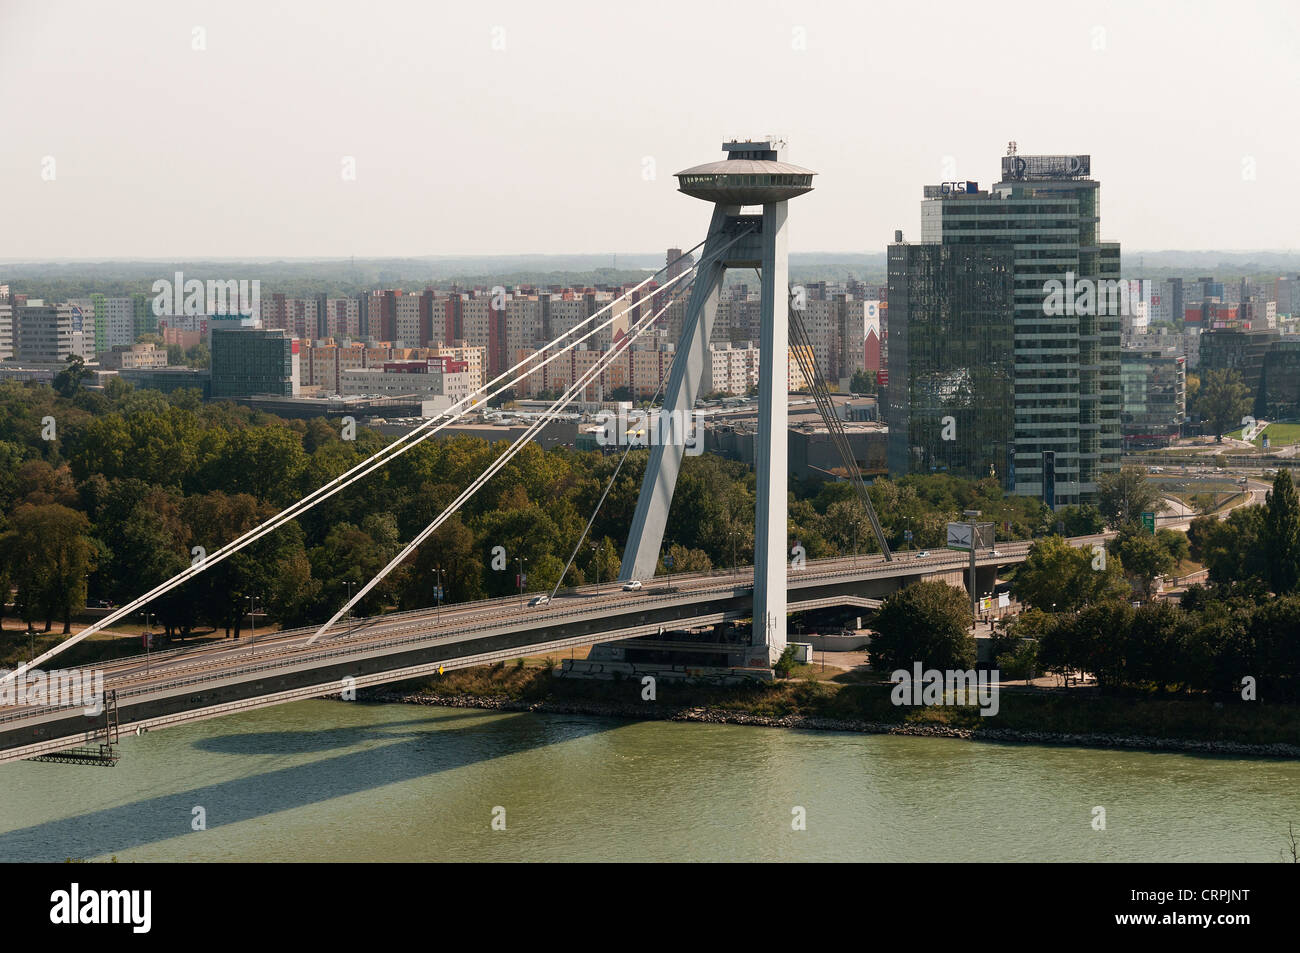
[927,622]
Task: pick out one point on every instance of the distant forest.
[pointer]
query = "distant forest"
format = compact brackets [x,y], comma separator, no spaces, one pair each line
[341,276]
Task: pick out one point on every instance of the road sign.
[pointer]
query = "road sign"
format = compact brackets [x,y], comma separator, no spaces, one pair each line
[668,562]
[521,579]
[437,592]
[907,535]
[1149,522]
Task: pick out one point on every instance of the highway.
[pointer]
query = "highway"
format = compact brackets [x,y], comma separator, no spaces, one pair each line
[205,680]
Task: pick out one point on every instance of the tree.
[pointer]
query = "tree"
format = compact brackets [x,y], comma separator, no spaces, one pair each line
[1124,495]
[346,560]
[864,382]
[1056,576]
[1230,549]
[1280,534]
[1223,400]
[68,380]
[1082,520]
[48,552]
[1144,558]
[927,622]
[1084,642]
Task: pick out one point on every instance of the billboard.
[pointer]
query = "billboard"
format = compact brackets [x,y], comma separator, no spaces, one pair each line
[961,534]
[1028,168]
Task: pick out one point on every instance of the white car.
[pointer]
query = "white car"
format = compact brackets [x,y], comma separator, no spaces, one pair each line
[922,554]
[541,600]
[632,586]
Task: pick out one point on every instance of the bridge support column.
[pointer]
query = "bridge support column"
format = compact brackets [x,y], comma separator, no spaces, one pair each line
[771,449]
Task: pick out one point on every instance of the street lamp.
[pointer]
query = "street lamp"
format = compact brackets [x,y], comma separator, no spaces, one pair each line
[735,571]
[972,516]
[521,560]
[596,560]
[252,626]
[438,570]
[349,585]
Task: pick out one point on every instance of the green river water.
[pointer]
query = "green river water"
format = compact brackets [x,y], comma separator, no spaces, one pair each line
[333,781]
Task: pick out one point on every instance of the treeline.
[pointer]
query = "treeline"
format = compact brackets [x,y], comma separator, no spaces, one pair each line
[1243,624]
[132,485]
[1237,636]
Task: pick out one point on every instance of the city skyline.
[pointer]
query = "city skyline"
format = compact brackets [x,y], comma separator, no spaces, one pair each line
[477,132]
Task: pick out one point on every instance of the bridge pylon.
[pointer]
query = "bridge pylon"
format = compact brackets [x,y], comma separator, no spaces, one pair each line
[753,175]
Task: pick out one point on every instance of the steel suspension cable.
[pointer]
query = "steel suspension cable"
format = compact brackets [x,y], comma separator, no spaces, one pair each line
[556,407]
[378,459]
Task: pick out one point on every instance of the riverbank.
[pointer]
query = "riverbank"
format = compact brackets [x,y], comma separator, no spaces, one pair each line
[1025,717]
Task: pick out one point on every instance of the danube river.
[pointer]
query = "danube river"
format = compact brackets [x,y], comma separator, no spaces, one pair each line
[329,780]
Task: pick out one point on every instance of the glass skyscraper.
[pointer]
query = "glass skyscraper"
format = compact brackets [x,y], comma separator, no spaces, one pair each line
[1065,366]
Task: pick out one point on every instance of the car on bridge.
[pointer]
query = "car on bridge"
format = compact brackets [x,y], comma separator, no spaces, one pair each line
[632,586]
[922,554]
[541,600]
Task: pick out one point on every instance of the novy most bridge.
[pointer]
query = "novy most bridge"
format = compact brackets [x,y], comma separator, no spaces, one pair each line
[216,678]
[191,683]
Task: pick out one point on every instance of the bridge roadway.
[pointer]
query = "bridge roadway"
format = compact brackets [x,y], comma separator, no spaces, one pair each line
[207,680]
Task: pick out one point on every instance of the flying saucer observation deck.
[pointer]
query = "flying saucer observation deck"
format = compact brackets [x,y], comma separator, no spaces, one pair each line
[745,181]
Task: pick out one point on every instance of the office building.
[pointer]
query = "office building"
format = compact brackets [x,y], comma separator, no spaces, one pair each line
[250,361]
[1037,228]
[1154,381]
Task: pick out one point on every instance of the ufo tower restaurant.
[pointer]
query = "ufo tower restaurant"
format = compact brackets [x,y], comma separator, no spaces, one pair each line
[753,176]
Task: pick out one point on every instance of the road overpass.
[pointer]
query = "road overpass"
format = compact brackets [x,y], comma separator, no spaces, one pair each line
[211,679]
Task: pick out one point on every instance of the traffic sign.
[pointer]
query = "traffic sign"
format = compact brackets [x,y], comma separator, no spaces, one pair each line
[1149,522]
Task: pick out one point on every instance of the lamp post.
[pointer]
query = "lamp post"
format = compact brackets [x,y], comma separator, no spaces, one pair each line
[252,625]
[349,585]
[735,571]
[438,570]
[596,559]
[972,516]
[521,560]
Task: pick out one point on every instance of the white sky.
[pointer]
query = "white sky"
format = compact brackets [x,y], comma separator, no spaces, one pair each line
[162,150]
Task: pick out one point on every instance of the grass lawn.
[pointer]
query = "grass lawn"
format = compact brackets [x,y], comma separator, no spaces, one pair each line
[1279,435]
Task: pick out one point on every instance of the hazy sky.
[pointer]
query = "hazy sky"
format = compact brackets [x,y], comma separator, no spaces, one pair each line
[498,126]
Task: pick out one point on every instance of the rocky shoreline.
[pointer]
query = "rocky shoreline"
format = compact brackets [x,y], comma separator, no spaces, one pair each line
[720,716]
